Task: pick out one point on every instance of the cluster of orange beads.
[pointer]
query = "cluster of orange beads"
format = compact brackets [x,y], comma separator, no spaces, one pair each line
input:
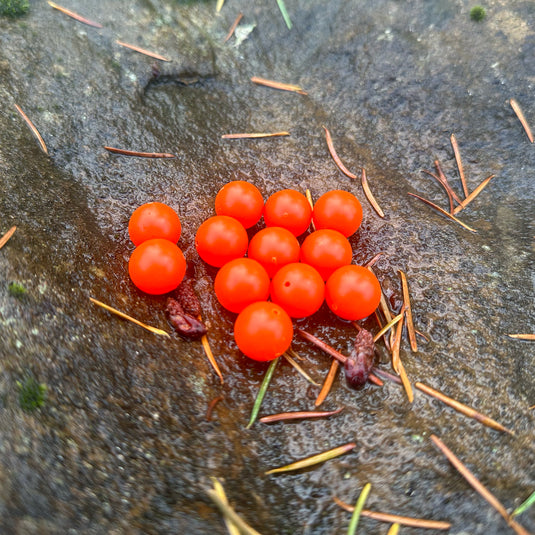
[280,278]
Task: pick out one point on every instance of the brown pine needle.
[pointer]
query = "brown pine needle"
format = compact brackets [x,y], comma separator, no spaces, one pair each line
[142,51]
[387,327]
[327,384]
[7,236]
[443,179]
[314,459]
[220,491]
[34,130]
[298,415]
[408,311]
[522,118]
[129,318]
[522,336]
[210,355]
[446,187]
[462,408]
[477,485]
[473,195]
[335,157]
[299,369]
[75,16]
[233,27]
[457,152]
[405,382]
[278,85]
[369,195]
[140,154]
[443,212]
[374,260]
[396,342]
[255,135]
[229,513]
[211,407]
[390,518]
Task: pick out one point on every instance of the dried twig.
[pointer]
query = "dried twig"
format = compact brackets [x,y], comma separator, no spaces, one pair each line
[129,318]
[125,152]
[522,118]
[473,195]
[403,520]
[34,130]
[335,157]
[477,485]
[278,85]
[443,212]
[455,147]
[314,459]
[75,16]
[255,135]
[298,415]
[142,51]
[369,195]
[408,311]
[233,27]
[7,236]
[328,383]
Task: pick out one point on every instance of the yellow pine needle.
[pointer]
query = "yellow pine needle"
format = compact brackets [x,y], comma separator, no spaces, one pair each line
[219,5]
[387,327]
[34,130]
[314,459]
[396,342]
[522,336]
[218,487]
[462,408]
[408,311]
[129,318]
[300,370]
[7,236]
[229,513]
[352,529]
[394,529]
[519,113]
[473,195]
[308,195]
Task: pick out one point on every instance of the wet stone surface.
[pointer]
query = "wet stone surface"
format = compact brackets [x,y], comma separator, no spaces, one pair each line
[122,444]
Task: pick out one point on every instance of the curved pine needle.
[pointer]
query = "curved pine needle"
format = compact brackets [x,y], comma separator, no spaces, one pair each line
[359,506]
[408,311]
[335,157]
[298,415]
[262,391]
[369,195]
[75,16]
[299,369]
[328,383]
[255,135]
[524,505]
[473,195]
[211,407]
[520,114]
[446,188]
[233,27]
[125,152]
[391,518]
[129,318]
[462,408]
[457,153]
[34,130]
[7,236]
[522,336]
[278,85]
[210,356]
[314,459]
[443,212]
[443,179]
[142,51]
[477,485]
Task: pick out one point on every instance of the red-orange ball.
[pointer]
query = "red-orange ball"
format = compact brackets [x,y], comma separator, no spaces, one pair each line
[338,210]
[288,209]
[241,200]
[154,220]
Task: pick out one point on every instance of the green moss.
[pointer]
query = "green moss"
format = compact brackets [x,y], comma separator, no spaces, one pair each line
[16,289]
[32,394]
[14,8]
[477,13]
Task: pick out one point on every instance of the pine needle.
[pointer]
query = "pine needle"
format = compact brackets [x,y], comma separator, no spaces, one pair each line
[142,51]
[462,408]
[220,491]
[394,529]
[456,151]
[129,318]
[408,311]
[34,130]
[335,156]
[297,415]
[352,529]
[262,392]
[387,327]
[7,236]
[369,195]
[210,356]
[521,118]
[522,336]
[473,195]
[308,195]
[314,459]
[75,16]
[219,5]
[477,485]
[278,85]
[233,27]
[125,152]
[255,135]
[328,383]
[406,383]
[525,505]
[299,369]
[284,12]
